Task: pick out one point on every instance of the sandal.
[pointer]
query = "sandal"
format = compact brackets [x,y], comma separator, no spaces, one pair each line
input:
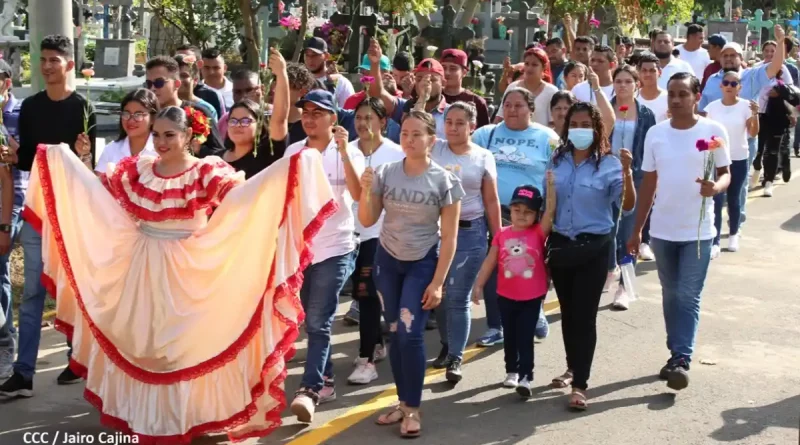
[407,433]
[577,400]
[562,381]
[393,417]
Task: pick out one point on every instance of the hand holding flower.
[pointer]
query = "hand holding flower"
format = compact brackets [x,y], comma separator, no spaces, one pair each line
[708,188]
[626,157]
[82,145]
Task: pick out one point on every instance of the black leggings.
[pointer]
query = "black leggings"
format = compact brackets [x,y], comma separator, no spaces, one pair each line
[579,289]
[773,151]
[369,305]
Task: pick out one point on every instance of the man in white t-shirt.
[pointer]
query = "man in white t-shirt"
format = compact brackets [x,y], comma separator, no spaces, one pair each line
[315,57]
[650,95]
[603,62]
[214,69]
[676,167]
[692,52]
[334,248]
[670,65]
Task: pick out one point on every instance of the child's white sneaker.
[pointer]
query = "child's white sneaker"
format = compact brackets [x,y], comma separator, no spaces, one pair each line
[511,380]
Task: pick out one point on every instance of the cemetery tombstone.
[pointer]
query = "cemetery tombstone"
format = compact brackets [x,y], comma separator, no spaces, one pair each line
[163,38]
[521,22]
[732,31]
[363,28]
[758,24]
[447,34]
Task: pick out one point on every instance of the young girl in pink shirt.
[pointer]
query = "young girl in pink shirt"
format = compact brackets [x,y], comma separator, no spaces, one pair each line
[519,251]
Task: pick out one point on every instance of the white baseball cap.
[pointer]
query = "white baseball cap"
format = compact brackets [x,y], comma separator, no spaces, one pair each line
[734,46]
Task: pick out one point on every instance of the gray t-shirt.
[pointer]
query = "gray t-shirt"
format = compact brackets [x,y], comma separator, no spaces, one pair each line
[470,168]
[411,223]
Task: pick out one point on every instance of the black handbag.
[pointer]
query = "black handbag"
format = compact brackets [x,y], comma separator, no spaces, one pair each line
[565,252]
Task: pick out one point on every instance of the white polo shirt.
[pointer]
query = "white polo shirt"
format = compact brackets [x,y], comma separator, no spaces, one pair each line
[119,150]
[337,236]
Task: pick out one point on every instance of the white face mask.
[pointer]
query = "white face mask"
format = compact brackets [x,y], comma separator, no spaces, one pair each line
[581,138]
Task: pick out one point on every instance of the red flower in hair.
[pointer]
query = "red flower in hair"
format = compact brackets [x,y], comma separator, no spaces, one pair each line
[199,124]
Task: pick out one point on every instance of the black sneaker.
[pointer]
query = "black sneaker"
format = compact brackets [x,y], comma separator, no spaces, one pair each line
[67,377]
[678,376]
[453,374]
[664,373]
[17,386]
[442,360]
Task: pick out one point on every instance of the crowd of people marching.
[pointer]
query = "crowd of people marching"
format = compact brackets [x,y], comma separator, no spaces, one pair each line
[436,204]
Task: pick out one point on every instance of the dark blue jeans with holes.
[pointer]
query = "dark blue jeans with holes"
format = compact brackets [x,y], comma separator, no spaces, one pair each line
[401,285]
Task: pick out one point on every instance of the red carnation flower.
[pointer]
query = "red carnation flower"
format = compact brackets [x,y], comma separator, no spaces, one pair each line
[702,145]
[623,108]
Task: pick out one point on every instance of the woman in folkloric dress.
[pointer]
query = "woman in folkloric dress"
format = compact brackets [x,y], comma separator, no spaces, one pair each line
[181,321]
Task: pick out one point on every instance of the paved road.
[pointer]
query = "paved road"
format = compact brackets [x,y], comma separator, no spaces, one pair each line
[745,385]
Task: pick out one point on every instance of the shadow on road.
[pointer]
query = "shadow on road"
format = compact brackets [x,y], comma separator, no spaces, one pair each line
[741,423]
[792,224]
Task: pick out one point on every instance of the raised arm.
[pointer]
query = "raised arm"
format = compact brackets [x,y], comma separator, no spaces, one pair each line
[376,89]
[279,122]
[603,104]
[780,53]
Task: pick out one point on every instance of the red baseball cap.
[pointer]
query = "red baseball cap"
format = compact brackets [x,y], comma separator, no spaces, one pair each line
[456,56]
[430,66]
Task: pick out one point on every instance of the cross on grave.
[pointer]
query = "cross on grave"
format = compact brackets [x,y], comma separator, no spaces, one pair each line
[354,47]
[447,33]
[522,22]
[758,24]
[794,22]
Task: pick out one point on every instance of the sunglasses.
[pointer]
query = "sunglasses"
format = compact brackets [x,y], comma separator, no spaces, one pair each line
[137,116]
[157,84]
[243,122]
[730,83]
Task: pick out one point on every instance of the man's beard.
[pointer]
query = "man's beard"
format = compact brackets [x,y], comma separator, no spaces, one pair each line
[663,55]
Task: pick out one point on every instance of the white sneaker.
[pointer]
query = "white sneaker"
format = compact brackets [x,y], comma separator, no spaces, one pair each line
[610,279]
[646,253]
[621,300]
[768,189]
[755,179]
[511,381]
[715,250]
[733,243]
[380,354]
[524,388]
[364,373]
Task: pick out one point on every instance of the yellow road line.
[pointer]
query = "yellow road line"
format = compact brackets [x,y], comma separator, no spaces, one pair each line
[381,401]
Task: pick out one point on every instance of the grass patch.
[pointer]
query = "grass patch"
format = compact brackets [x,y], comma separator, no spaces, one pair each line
[17,283]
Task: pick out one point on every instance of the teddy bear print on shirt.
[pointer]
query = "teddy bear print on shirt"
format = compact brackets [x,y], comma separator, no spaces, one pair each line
[517,262]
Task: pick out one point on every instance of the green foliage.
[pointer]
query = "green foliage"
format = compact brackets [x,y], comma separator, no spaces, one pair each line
[90,49]
[113,96]
[673,10]
[25,69]
[784,7]
[200,20]
[423,7]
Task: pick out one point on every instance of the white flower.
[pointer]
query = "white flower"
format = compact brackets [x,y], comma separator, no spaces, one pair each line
[478,64]
[432,48]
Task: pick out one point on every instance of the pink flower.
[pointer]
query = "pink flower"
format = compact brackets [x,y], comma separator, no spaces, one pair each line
[754,42]
[594,23]
[87,73]
[475,21]
[290,23]
[702,145]
[510,31]
[367,79]
[542,22]
[281,8]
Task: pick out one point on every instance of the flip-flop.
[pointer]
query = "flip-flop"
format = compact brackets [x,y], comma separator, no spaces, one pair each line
[562,381]
[577,401]
[386,416]
[410,434]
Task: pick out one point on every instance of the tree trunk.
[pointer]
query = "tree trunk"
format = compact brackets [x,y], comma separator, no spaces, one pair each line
[250,35]
[303,27]
[470,8]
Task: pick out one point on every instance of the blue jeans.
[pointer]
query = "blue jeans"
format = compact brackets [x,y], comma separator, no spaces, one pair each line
[732,197]
[320,296]
[454,316]
[682,276]
[752,150]
[624,232]
[32,305]
[493,320]
[7,331]
[519,333]
[401,285]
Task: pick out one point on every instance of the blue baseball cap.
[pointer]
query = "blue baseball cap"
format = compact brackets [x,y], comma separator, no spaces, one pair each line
[367,65]
[320,98]
[718,40]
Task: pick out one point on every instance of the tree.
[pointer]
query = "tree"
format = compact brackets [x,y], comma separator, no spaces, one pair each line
[200,20]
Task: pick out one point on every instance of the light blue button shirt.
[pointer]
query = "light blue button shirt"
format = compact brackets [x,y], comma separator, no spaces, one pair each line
[753,81]
[584,194]
[622,129]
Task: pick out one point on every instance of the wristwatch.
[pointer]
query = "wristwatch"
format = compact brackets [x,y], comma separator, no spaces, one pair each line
[5,228]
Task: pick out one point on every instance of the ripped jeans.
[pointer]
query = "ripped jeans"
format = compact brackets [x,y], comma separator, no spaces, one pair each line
[401,285]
